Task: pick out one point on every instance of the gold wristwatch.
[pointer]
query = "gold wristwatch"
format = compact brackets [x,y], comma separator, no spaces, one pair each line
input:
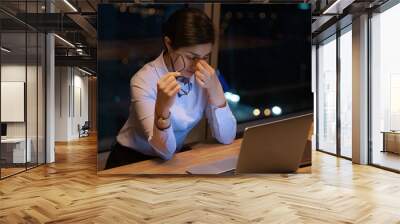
[164,122]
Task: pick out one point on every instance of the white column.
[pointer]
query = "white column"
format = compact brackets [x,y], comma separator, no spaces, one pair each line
[360,90]
[50,92]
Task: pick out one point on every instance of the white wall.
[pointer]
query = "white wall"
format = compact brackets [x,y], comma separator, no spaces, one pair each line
[33,127]
[71,93]
[61,103]
[80,89]
[12,73]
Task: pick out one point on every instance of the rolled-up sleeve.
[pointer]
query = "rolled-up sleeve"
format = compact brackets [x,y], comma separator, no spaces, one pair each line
[143,102]
[163,142]
[222,123]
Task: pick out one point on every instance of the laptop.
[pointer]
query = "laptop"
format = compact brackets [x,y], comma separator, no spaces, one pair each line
[274,147]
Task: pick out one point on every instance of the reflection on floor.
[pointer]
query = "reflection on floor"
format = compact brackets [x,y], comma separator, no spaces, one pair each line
[69,191]
[346,152]
[10,171]
[14,169]
[387,159]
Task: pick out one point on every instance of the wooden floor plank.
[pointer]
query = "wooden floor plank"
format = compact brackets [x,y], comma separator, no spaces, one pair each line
[69,191]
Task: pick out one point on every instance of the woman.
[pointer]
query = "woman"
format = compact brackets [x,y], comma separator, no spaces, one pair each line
[170,94]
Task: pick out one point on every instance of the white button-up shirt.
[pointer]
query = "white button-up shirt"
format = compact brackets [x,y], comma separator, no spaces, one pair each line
[140,132]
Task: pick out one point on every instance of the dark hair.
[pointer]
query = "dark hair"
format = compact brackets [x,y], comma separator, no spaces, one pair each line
[187,27]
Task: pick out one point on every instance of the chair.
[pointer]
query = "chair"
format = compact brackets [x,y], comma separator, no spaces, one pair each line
[84,130]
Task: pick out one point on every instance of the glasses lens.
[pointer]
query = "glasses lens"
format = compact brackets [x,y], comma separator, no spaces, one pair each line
[179,63]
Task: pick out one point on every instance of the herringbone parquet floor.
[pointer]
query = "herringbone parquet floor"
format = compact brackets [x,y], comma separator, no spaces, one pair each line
[69,191]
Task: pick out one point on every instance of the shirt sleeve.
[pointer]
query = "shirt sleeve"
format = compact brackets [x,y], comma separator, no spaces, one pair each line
[143,102]
[222,123]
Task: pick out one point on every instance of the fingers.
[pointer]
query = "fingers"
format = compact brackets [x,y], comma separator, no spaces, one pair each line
[200,67]
[204,74]
[168,84]
[173,90]
[170,79]
[206,66]
[170,75]
[204,78]
[171,87]
[175,74]
[200,75]
[200,82]
[176,90]
[167,79]
[204,71]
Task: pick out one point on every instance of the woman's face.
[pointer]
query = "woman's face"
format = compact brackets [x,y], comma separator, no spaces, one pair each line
[185,58]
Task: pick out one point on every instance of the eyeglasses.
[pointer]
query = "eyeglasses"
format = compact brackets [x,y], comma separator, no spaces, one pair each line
[178,65]
[183,81]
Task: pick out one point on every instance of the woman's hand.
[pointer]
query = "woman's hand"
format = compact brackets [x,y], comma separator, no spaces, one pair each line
[207,78]
[167,88]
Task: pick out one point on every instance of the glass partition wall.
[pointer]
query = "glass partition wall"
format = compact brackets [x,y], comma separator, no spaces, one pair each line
[334,94]
[345,92]
[22,88]
[334,99]
[385,89]
[326,60]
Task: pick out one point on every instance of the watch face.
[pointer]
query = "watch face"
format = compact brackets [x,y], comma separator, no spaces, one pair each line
[162,122]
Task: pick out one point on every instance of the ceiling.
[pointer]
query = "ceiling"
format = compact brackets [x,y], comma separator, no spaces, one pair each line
[76,22]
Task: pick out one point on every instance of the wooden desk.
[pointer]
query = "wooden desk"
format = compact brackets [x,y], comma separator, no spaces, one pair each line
[391,141]
[200,154]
